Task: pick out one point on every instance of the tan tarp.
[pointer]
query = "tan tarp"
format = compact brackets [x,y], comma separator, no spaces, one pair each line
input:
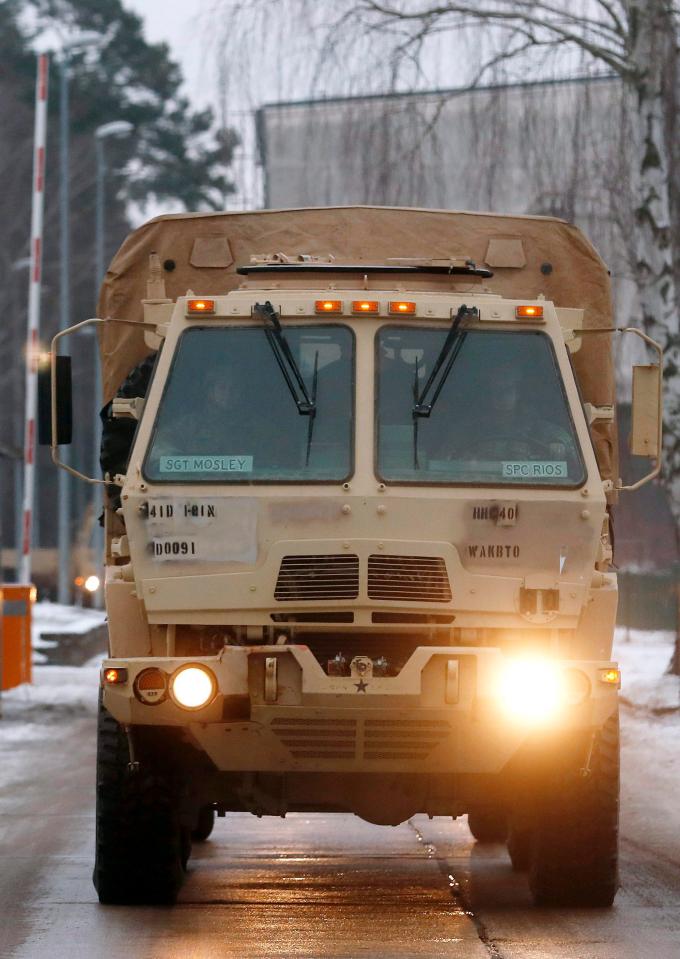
[207,248]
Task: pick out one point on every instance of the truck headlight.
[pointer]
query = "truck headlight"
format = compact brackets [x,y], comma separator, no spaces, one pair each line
[193,686]
[536,690]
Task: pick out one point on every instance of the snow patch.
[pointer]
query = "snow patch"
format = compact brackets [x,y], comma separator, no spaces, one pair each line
[644,656]
[56,692]
[56,618]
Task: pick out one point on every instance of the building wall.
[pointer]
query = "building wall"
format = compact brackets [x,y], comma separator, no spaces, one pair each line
[554,148]
[558,148]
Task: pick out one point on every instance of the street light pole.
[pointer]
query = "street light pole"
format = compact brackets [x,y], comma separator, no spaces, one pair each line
[34,291]
[64,480]
[116,129]
[87,38]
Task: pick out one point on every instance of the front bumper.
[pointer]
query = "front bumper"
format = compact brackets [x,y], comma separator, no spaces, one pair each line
[276,710]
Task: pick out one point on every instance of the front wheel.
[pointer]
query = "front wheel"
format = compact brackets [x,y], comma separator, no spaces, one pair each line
[205,823]
[519,847]
[488,824]
[574,856]
[140,843]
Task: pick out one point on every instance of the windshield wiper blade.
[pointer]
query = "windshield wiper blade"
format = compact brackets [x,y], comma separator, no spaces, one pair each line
[447,355]
[312,415]
[306,405]
[416,377]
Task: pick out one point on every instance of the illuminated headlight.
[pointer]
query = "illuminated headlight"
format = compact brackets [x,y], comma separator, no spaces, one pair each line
[536,690]
[193,687]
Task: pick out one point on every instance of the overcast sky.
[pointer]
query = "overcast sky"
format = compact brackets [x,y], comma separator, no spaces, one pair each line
[178,25]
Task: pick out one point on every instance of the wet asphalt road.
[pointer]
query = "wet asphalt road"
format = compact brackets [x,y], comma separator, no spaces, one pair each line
[325,886]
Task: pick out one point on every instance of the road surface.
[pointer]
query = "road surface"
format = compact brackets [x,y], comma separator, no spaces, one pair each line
[326,886]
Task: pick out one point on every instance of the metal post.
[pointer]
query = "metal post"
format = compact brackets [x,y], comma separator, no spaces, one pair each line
[34,290]
[64,479]
[97,489]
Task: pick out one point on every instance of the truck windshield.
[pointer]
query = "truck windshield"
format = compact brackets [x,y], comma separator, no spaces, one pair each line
[502,416]
[227,414]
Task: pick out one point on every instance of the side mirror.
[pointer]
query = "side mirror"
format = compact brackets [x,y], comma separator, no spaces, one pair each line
[64,403]
[646,412]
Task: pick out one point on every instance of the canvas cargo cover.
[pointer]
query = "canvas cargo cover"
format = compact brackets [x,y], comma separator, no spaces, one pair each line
[529,255]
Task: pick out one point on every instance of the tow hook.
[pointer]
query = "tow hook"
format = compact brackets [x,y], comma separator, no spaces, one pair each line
[133,764]
[585,771]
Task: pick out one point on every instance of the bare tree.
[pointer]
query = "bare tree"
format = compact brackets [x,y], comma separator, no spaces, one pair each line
[639,41]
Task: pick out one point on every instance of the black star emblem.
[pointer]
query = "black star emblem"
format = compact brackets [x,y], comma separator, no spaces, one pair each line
[361,686]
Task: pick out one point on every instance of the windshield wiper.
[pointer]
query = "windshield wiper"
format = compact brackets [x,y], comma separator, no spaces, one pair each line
[312,415]
[448,354]
[449,351]
[306,405]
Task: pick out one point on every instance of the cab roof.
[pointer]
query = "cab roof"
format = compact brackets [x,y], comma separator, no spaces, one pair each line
[529,256]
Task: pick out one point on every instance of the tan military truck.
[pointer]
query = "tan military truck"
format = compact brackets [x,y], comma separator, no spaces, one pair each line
[360,469]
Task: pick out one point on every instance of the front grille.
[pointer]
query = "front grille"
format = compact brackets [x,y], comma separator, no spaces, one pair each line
[403,738]
[317,738]
[421,579]
[384,739]
[317,577]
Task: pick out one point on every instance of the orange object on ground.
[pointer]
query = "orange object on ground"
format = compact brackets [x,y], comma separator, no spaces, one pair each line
[15,642]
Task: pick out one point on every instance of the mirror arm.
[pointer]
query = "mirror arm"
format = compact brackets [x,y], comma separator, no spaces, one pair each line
[648,477]
[54,447]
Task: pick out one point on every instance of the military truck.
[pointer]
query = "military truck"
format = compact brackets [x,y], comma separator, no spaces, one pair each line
[361,465]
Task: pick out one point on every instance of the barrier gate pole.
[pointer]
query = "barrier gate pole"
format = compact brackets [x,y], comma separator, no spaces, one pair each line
[34,289]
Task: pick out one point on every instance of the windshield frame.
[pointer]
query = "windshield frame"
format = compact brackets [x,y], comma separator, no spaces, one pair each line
[219,480]
[477,484]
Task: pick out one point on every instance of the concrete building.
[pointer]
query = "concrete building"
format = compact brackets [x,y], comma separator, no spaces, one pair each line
[556,148]
[553,148]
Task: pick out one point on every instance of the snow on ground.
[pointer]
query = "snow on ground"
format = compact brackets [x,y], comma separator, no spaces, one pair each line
[55,691]
[55,618]
[33,716]
[643,656]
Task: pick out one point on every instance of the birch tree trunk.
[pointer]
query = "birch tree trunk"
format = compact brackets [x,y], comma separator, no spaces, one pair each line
[653,52]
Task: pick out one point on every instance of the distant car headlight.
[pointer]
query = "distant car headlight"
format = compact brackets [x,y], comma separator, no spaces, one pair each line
[535,690]
[193,687]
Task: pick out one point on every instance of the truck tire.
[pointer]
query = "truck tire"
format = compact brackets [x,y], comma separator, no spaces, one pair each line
[205,823]
[519,847]
[139,839]
[488,824]
[574,856]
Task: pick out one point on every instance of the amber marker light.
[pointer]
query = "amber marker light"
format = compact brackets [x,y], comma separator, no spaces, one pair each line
[397,307]
[529,312]
[193,687]
[365,306]
[328,306]
[206,307]
[115,675]
[612,677]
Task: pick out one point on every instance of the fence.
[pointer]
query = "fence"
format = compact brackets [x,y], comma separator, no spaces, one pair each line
[648,600]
